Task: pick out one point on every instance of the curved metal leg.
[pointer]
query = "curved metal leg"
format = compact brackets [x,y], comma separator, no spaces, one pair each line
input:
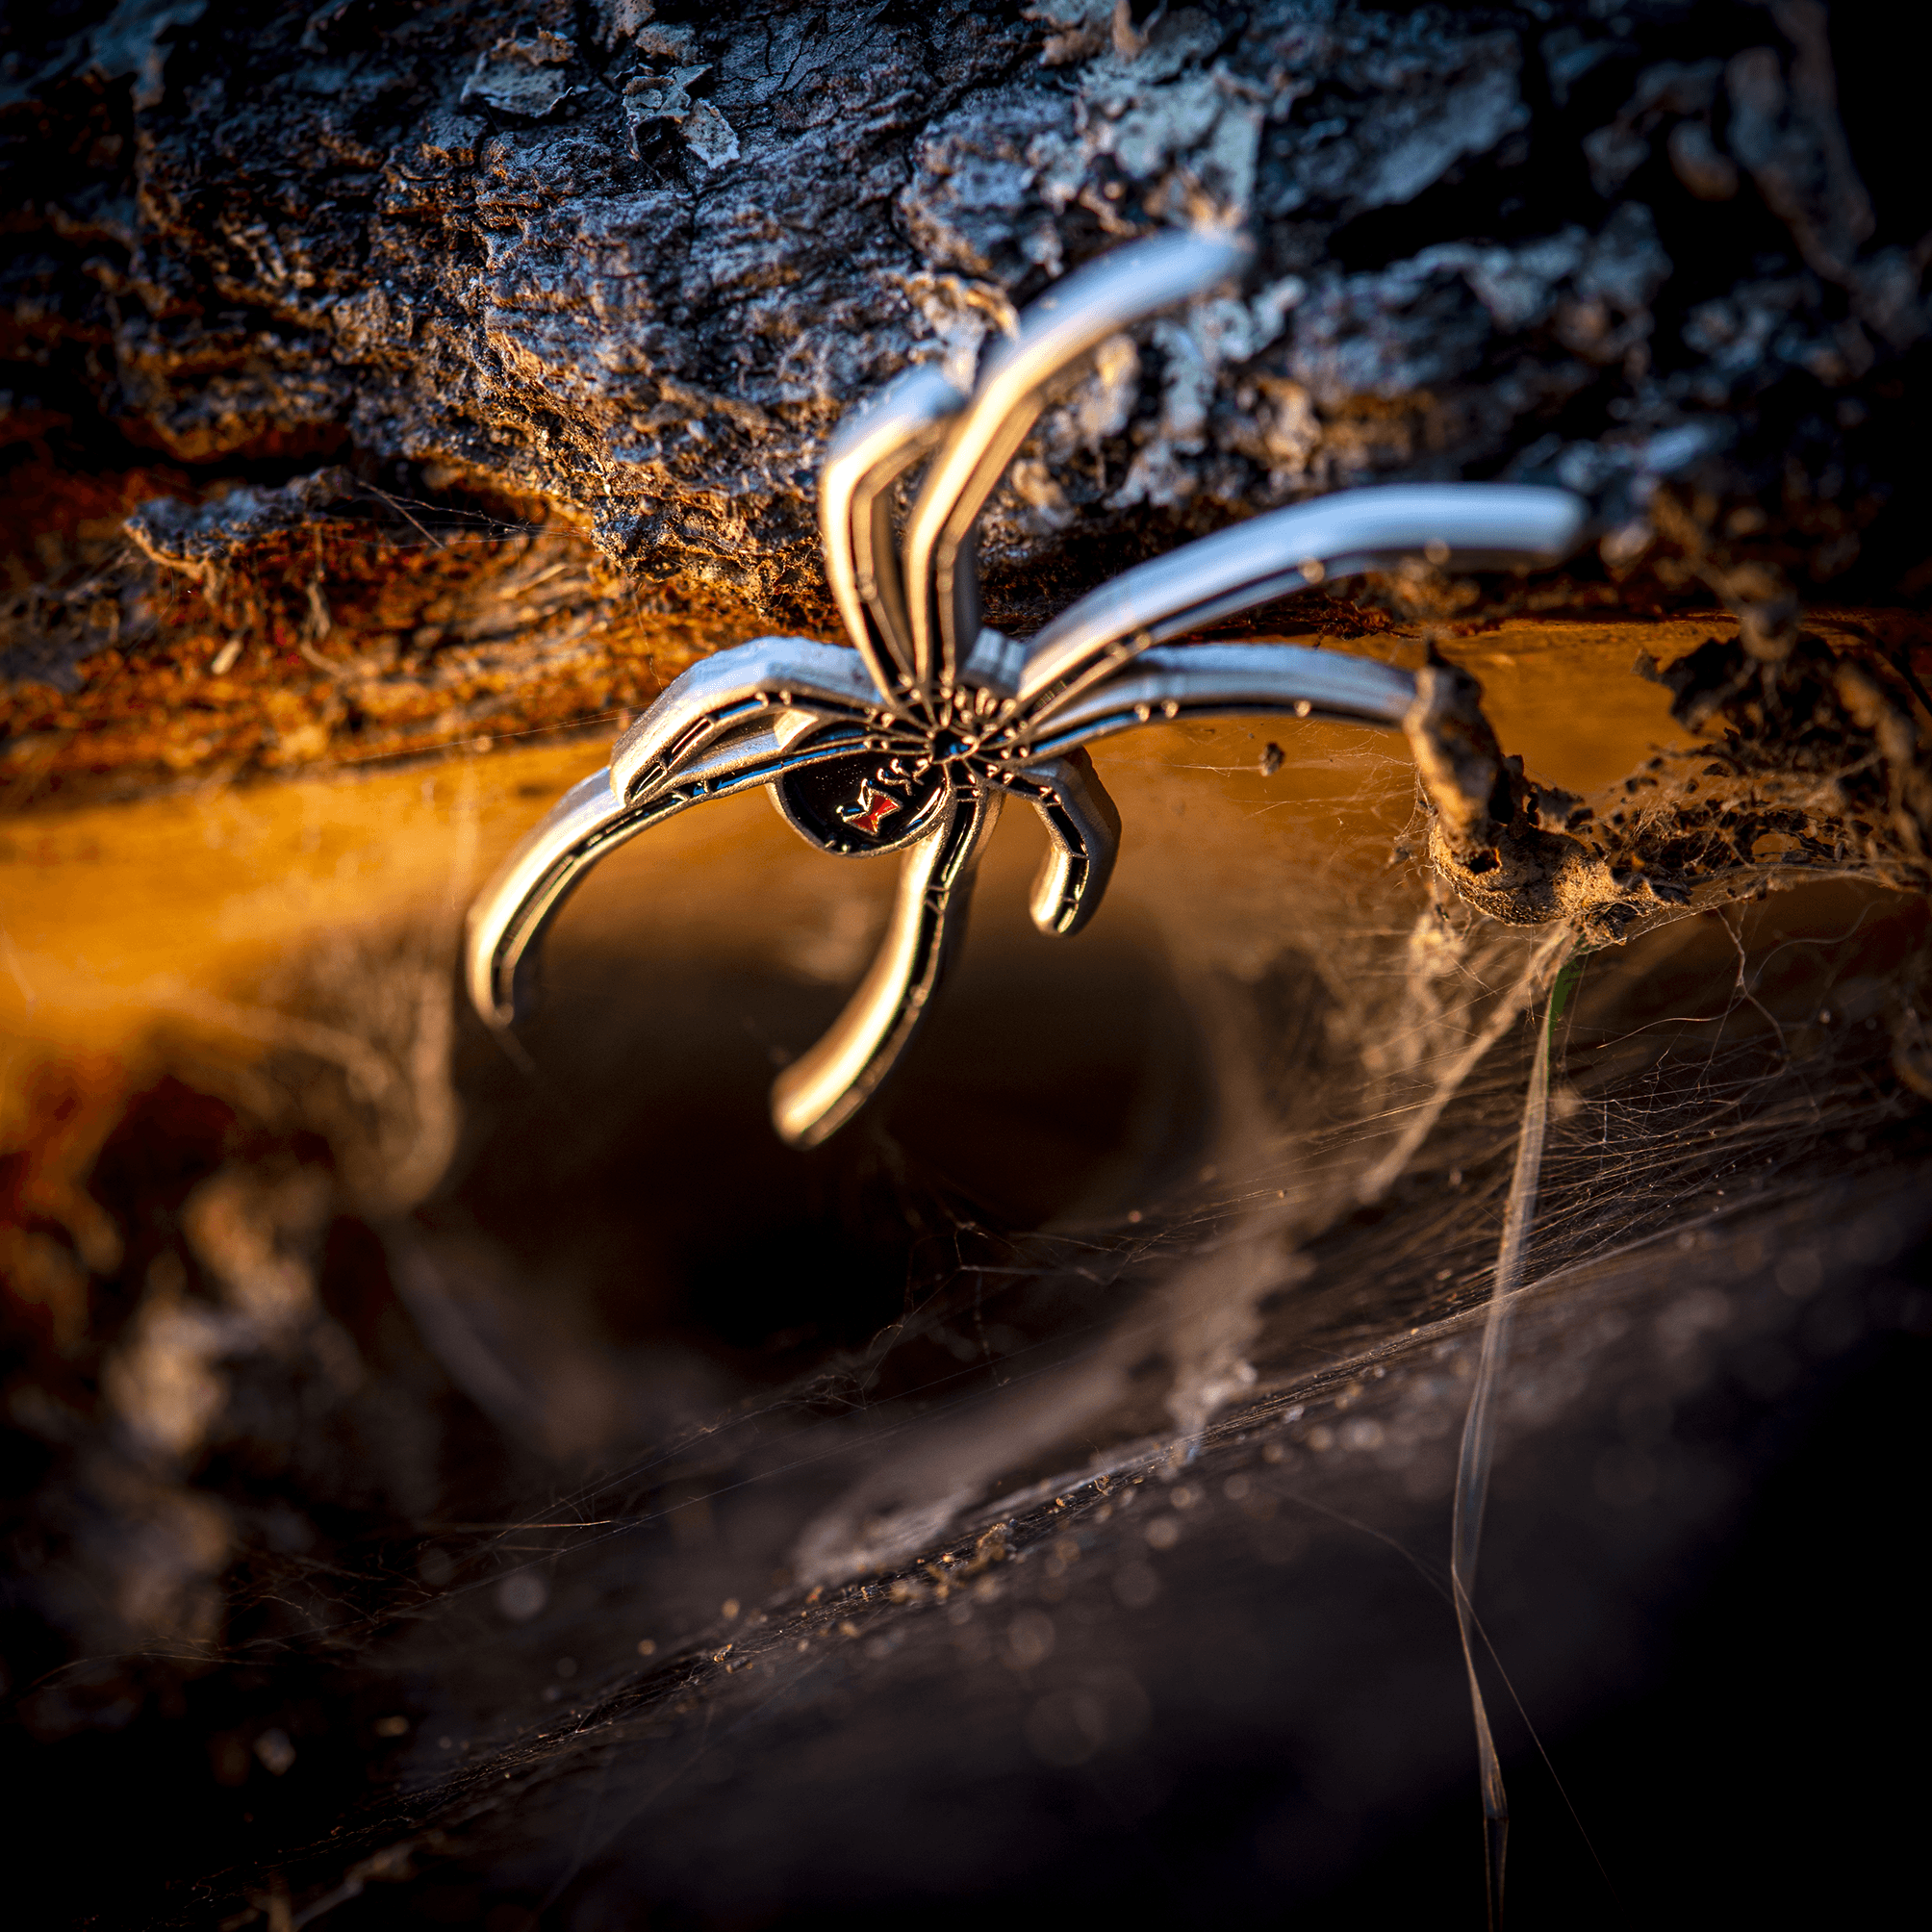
[1466,525]
[1082,825]
[510,916]
[823,1088]
[1071,320]
[871,449]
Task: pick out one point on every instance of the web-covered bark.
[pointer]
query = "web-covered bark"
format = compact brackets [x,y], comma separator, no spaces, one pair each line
[1816,764]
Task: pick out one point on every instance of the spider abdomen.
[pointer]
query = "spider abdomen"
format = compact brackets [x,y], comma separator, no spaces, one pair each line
[870,802]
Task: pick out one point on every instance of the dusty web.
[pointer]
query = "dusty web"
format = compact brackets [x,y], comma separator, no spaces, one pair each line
[1720,1060]
[360,1443]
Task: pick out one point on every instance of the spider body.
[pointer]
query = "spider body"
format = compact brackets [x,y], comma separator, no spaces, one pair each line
[911,738]
[883,798]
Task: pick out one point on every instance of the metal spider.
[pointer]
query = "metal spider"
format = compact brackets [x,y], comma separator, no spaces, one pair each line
[912,738]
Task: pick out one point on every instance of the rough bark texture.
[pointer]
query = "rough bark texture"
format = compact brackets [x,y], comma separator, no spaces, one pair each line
[585,285]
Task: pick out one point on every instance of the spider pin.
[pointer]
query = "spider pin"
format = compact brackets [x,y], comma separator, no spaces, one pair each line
[912,738]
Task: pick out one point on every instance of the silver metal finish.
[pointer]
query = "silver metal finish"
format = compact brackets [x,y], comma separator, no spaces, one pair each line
[821,1089]
[1056,335]
[913,738]
[870,450]
[1470,526]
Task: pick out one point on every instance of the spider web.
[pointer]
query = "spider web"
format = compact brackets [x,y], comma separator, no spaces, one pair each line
[1319,1170]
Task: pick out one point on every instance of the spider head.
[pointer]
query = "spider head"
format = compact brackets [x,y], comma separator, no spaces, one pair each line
[890,794]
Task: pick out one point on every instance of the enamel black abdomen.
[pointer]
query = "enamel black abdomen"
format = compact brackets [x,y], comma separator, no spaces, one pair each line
[863,804]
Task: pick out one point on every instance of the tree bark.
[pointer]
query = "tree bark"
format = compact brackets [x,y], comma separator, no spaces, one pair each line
[469,367]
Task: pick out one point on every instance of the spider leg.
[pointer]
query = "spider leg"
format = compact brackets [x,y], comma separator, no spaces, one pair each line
[742,719]
[823,1087]
[512,912]
[1474,526]
[788,686]
[874,445]
[1067,323]
[1082,826]
[1208,680]
[509,918]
